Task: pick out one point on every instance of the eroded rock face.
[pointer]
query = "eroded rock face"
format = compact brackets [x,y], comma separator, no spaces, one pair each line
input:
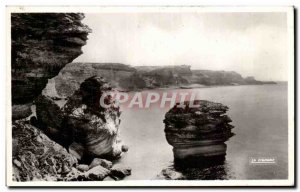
[80,123]
[198,133]
[42,44]
[36,157]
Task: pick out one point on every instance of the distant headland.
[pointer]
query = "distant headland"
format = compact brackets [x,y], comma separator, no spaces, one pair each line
[131,78]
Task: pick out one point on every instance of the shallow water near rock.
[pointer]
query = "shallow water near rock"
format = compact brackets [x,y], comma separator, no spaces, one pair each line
[259,114]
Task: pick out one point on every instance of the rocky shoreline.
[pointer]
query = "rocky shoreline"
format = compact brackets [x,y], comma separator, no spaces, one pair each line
[37,158]
[75,142]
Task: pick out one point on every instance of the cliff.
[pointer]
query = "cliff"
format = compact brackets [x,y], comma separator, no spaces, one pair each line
[163,76]
[252,81]
[122,77]
[207,77]
[42,44]
[127,78]
[50,147]
[198,134]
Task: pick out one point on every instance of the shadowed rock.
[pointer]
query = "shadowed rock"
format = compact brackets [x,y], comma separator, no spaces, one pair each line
[118,172]
[97,173]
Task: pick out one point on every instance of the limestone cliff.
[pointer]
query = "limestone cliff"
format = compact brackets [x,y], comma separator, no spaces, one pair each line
[131,78]
[163,76]
[122,77]
[42,44]
[209,77]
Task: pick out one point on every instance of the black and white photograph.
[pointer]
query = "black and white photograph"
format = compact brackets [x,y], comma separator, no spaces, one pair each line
[150,96]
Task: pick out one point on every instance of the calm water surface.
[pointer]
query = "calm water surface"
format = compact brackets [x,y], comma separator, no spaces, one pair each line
[259,114]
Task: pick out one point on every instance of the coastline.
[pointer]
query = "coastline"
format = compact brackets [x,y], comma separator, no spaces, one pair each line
[196,87]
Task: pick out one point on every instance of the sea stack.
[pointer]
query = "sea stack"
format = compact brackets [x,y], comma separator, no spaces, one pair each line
[197,134]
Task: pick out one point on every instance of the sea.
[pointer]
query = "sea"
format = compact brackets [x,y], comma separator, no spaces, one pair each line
[259,115]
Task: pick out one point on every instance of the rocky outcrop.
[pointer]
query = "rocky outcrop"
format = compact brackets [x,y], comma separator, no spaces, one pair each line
[42,44]
[80,123]
[198,134]
[36,157]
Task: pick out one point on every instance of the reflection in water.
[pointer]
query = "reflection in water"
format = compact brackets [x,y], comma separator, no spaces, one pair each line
[213,172]
[216,168]
[199,162]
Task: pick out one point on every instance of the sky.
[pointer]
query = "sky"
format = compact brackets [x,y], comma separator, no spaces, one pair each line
[252,44]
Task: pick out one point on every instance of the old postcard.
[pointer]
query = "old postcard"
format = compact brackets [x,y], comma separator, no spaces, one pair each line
[150,96]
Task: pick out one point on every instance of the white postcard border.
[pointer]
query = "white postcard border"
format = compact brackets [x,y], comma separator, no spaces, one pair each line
[149,183]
